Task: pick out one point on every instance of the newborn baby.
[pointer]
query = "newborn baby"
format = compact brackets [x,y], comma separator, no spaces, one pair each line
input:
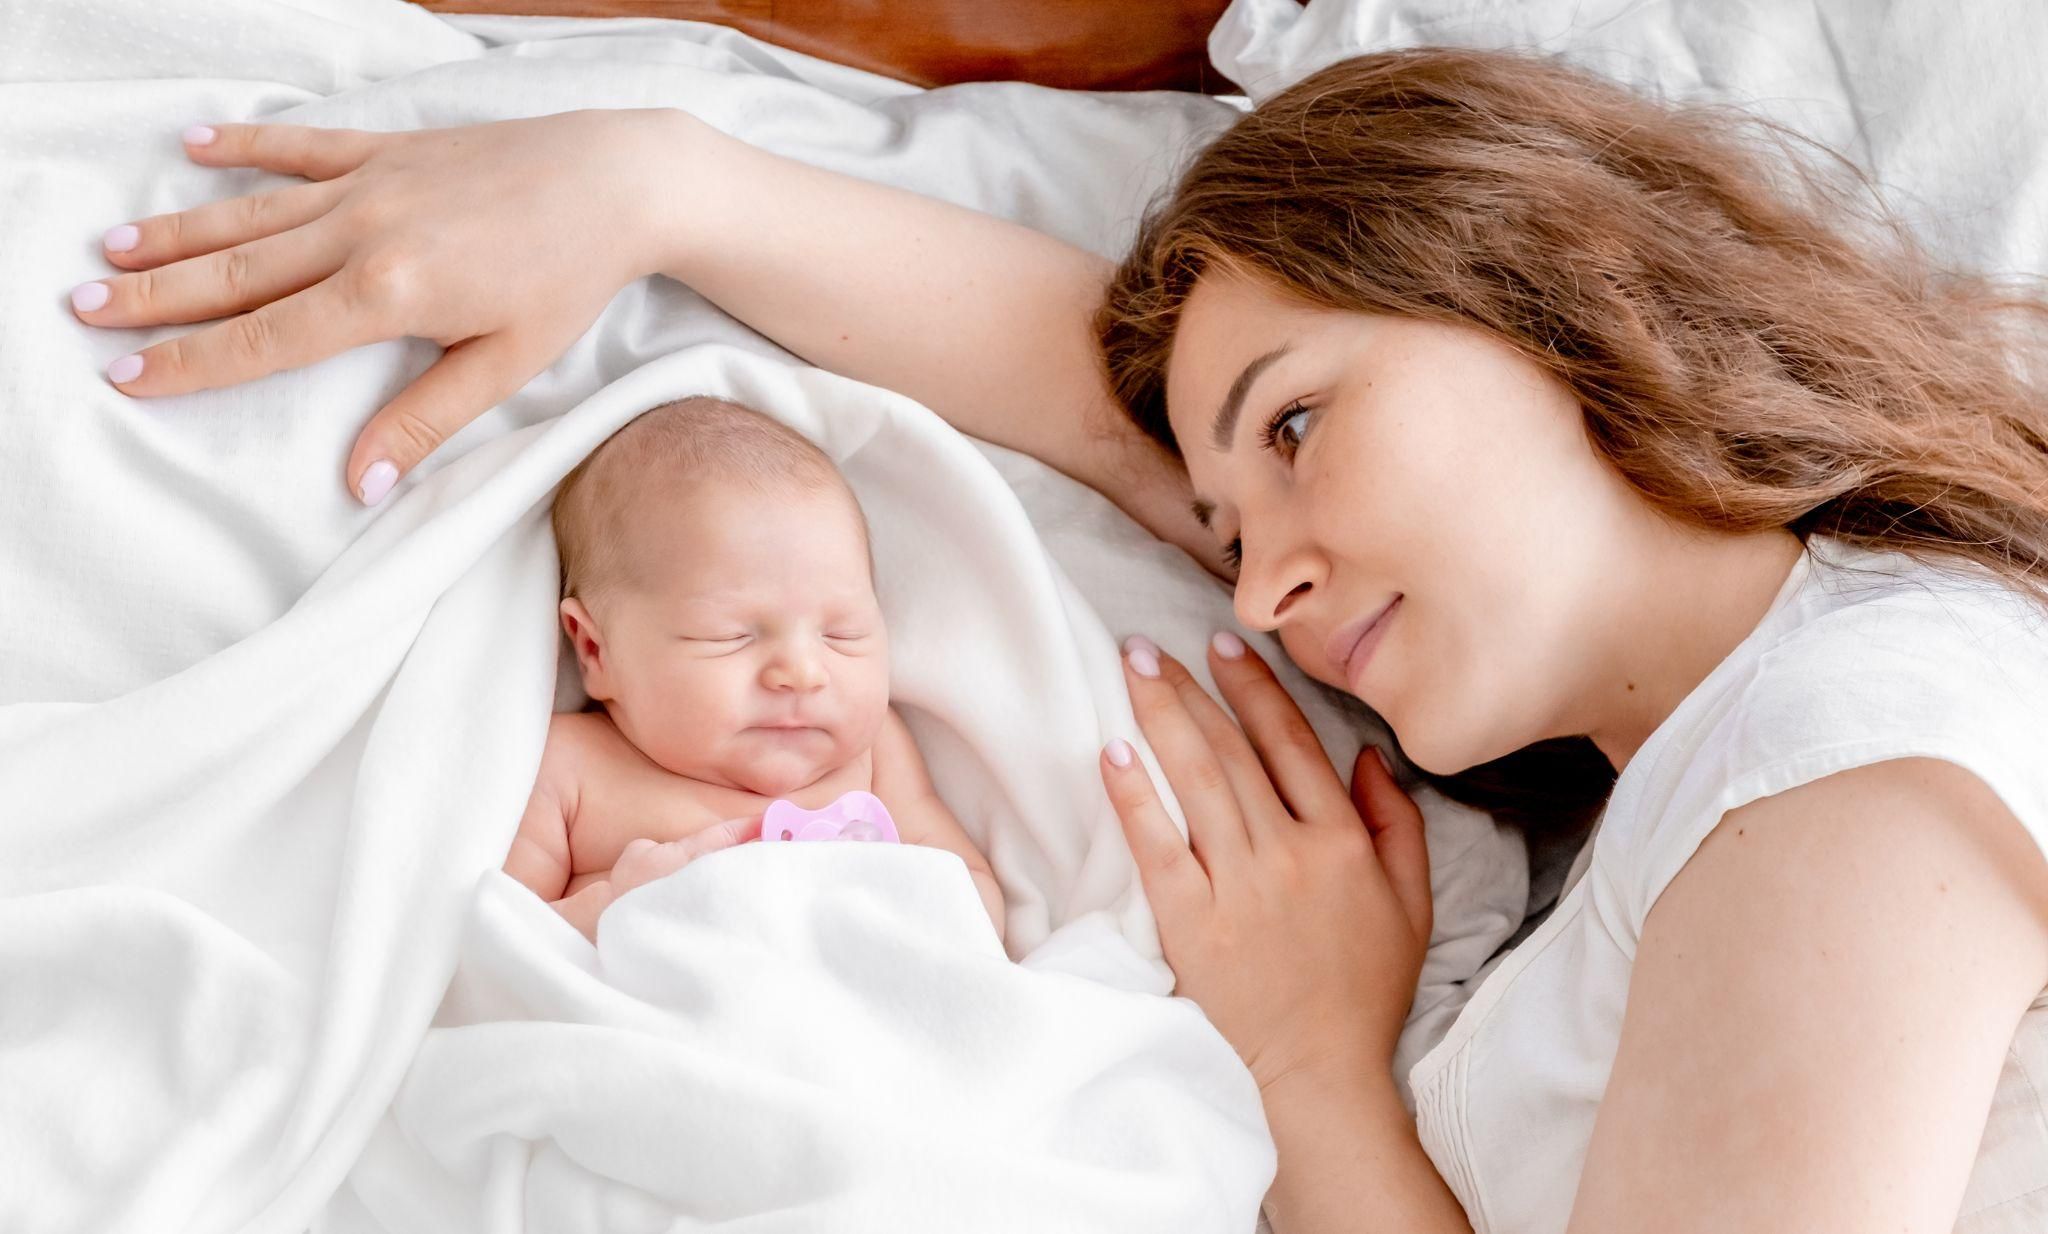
[719,591]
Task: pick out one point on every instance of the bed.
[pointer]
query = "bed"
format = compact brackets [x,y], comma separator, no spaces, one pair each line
[261,751]
[1068,44]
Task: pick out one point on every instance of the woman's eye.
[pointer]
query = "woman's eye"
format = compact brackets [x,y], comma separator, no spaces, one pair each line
[1285,430]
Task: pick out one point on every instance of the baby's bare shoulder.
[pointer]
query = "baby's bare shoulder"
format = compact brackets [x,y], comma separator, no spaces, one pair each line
[618,792]
[582,747]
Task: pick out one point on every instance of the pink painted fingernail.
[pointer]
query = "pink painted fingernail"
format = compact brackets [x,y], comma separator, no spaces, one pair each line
[1144,655]
[87,297]
[1120,752]
[200,135]
[1386,764]
[124,370]
[1227,645]
[376,483]
[121,239]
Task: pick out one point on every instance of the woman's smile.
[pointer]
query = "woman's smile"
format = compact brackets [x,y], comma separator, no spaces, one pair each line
[1357,642]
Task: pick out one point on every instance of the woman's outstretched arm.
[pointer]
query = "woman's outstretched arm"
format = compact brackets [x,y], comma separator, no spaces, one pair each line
[502,242]
[986,322]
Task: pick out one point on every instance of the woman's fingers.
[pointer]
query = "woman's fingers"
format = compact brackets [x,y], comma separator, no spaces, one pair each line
[469,379]
[1208,798]
[217,284]
[297,330]
[1174,881]
[165,238]
[488,239]
[294,149]
[1295,761]
[1259,804]
[1397,837]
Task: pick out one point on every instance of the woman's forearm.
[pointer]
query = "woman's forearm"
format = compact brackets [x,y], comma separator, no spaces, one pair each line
[1350,1162]
[986,322]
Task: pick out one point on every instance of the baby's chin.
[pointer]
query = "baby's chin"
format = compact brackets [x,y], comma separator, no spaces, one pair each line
[771,766]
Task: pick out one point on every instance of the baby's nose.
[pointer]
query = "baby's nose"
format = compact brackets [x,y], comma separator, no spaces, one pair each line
[795,672]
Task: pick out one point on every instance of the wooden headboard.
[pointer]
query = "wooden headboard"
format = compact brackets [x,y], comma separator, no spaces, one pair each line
[1074,44]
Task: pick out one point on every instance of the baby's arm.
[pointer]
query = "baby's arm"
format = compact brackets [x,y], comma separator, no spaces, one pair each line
[904,786]
[540,851]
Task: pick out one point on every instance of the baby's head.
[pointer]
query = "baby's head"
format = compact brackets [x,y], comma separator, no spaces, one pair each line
[719,592]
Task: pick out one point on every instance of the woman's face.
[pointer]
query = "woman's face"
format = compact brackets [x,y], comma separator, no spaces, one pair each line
[1416,508]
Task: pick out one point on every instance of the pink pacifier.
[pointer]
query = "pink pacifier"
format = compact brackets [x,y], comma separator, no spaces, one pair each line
[855,816]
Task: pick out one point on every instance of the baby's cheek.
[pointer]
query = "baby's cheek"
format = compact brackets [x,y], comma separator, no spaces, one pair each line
[870,707]
[688,713]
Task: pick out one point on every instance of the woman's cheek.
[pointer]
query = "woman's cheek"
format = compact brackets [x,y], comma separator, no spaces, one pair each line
[1302,651]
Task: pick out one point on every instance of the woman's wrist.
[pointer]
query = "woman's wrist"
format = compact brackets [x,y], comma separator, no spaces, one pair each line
[678,164]
[1350,1157]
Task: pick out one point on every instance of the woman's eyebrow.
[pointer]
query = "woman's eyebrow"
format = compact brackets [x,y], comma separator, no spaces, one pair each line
[1233,403]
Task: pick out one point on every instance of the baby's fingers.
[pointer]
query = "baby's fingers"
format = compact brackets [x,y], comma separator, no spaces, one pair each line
[731,832]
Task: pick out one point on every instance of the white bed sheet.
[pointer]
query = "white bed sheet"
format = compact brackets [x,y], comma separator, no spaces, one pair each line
[1941,104]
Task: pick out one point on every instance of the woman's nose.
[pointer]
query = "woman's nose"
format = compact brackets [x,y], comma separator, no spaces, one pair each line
[1271,583]
[1255,610]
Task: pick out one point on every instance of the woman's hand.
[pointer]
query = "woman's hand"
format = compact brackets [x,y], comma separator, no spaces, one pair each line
[501,242]
[1299,917]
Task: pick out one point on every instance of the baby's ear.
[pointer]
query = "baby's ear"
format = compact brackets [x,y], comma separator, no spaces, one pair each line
[588,640]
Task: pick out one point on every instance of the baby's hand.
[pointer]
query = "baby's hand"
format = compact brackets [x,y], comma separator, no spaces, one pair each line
[645,860]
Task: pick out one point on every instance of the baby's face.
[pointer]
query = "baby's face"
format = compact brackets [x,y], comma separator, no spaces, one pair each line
[752,654]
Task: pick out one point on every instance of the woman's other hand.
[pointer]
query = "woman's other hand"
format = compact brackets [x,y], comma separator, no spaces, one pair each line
[1298,916]
[501,242]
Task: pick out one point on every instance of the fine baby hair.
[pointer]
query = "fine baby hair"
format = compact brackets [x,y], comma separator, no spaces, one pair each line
[690,441]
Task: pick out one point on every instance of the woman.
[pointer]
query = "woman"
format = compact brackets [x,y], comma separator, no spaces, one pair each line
[1521,408]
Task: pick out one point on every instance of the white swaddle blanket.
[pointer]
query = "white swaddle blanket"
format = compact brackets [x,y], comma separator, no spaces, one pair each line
[261,751]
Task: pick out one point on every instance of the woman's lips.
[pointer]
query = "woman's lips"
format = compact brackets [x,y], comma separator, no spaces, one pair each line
[1352,646]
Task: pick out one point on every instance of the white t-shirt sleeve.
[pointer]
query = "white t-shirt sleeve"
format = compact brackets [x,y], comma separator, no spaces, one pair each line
[1956,673]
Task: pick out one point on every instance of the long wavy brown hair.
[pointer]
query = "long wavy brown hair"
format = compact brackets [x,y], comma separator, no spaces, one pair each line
[1756,343]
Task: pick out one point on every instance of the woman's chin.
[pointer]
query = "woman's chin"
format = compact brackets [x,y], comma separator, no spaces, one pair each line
[1436,747]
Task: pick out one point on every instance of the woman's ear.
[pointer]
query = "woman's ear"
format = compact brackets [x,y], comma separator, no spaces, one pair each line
[584,635]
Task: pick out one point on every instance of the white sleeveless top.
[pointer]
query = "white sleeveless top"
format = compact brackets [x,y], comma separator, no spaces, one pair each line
[1863,657]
